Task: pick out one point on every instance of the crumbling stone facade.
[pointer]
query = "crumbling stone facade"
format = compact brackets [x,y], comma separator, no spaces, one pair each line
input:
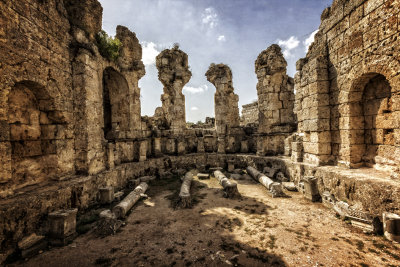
[347,87]
[174,73]
[275,91]
[249,114]
[70,121]
[226,106]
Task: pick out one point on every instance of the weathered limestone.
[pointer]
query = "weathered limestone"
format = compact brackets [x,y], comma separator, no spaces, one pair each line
[347,88]
[174,73]
[274,188]
[185,200]
[62,226]
[122,208]
[250,114]
[391,226]
[311,189]
[226,101]
[106,195]
[230,188]
[32,245]
[70,118]
[275,92]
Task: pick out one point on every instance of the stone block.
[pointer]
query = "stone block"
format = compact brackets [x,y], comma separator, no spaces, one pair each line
[391,226]
[143,150]
[311,189]
[203,176]
[62,226]
[106,195]
[32,245]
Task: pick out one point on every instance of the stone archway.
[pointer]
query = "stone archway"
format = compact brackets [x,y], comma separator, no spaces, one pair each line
[33,134]
[371,132]
[116,104]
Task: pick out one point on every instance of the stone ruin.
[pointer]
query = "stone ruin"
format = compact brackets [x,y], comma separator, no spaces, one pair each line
[71,125]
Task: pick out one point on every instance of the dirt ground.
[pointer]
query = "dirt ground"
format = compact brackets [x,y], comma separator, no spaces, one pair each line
[254,230]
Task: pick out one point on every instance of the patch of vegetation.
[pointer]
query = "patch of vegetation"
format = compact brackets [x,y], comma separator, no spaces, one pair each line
[109,47]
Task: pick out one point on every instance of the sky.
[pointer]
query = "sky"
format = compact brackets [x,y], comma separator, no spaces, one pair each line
[233,32]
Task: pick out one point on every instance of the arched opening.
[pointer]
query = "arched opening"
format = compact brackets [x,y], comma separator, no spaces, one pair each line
[33,134]
[371,122]
[116,108]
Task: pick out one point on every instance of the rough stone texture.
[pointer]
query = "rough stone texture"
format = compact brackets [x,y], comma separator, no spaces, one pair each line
[348,87]
[275,92]
[70,119]
[174,73]
[226,101]
[249,114]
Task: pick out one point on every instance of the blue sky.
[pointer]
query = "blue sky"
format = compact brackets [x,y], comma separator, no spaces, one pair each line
[232,32]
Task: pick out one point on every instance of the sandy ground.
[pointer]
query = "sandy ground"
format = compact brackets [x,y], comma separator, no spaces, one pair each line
[254,230]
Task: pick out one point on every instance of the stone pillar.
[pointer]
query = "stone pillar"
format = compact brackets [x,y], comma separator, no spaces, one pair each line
[143,150]
[313,108]
[174,73]
[226,101]
[157,147]
[275,92]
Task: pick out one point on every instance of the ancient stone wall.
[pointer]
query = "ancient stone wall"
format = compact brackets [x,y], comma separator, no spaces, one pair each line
[275,91]
[249,114]
[174,73]
[226,105]
[348,87]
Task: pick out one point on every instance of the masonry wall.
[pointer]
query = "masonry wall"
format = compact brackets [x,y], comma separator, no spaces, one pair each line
[249,114]
[343,122]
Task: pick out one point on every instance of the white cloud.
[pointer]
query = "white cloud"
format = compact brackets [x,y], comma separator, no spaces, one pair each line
[194,109]
[289,45]
[221,38]
[210,17]
[150,53]
[195,90]
[307,42]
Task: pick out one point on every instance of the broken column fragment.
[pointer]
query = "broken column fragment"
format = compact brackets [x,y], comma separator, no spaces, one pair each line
[127,203]
[391,226]
[230,188]
[226,101]
[274,188]
[184,195]
[174,73]
[31,245]
[275,91]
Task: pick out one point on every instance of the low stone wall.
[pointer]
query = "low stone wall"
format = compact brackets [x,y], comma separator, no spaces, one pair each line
[26,212]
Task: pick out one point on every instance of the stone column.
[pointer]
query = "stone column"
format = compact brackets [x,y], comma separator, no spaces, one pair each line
[275,91]
[174,73]
[226,101]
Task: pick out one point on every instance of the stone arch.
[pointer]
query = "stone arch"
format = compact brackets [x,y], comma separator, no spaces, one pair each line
[116,104]
[370,127]
[33,128]
[351,124]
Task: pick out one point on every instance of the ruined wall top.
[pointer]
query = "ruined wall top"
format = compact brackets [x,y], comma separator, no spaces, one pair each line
[131,51]
[220,74]
[172,65]
[271,61]
[86,15]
